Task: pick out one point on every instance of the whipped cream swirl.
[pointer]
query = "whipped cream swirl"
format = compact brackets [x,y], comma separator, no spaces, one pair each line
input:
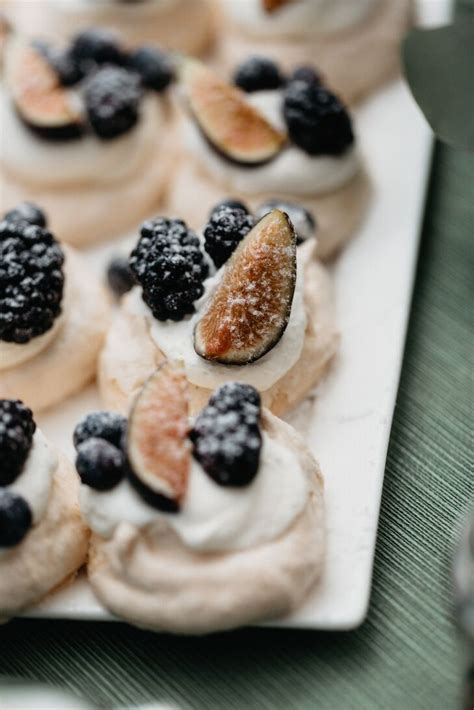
[292,172]
[35,481]
[86,161]
[213,517]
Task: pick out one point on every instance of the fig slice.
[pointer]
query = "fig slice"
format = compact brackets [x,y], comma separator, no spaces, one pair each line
[43,104]
[229,123]
[158,447]
[250,308]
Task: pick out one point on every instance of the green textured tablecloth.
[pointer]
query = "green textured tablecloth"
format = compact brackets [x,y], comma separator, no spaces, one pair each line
[408,654]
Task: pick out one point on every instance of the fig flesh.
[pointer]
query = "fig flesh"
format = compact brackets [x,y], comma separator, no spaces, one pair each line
[250,308]
[42,103]
[157,443]
[229,123]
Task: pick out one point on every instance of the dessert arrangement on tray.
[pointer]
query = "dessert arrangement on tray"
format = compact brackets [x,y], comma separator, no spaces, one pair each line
[239,179]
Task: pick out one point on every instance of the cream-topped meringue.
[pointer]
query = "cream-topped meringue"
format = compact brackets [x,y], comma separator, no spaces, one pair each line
[292,172]
[88,160]
[175,341]
[212,518]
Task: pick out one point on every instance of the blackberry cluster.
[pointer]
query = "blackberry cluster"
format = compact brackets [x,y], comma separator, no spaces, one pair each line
[306,73]
[229,202]
[15,518]
[96,46]
[227,227]
[112,97]
[31,281]
[101,462]
[317,121]
[16,435]
[258,74]
[103,425]
[226,435]
[170,266]
[153,66]
[27,212]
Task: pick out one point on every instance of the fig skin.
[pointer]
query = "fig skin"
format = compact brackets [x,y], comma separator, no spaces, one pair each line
[234,329]
[40,100]
[159,451]
[229,124]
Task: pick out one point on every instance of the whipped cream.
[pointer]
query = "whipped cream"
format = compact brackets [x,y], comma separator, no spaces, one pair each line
[14,354]
[86,160]
[298,18]
[291,172]
[175,340]
[212,517]
[35,481]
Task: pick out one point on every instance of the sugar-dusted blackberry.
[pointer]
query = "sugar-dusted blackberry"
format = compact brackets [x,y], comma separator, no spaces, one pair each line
[237,395]
[258,74]
[31,281]
[170,266]
[100,464]
[27,212]
[112,96]
[306,73]
[15,518]
[120,276]
[229,202]
[101,425]
[317,121]
[17,428]
[227,227]
[302,220]
[226,435]
[96,46]
[154,67]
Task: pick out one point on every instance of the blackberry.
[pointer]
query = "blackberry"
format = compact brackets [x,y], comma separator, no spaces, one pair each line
[227,227]
[100,464]
[101,425]
[317,121]
[15,518]
[17,428]
[229,202]
[112,97]
[27,212]
[96,46]
[31,281]
[301,218]
[119,276]
[64,64]
[307,74]
[258,74]
[153,66]
[170,266]
[226,435]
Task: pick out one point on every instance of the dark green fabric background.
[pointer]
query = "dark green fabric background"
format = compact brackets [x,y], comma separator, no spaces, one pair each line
[408,653]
